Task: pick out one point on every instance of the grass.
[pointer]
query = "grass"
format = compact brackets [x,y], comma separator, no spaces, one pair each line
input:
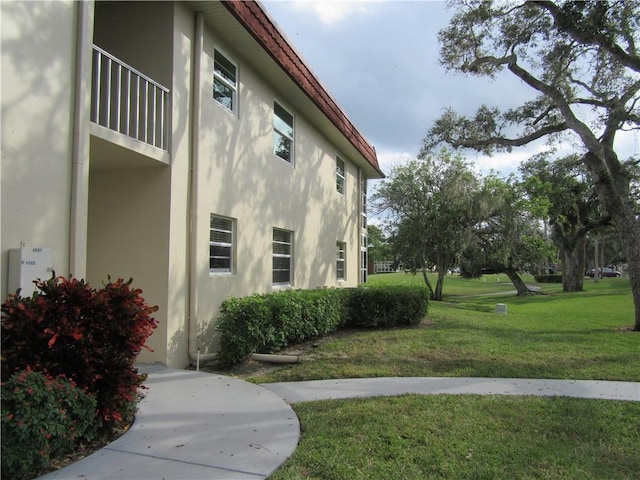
[579,336]
[554,335]
[466,437]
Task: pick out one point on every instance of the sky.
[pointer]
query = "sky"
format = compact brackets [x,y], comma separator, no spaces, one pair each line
[379,61]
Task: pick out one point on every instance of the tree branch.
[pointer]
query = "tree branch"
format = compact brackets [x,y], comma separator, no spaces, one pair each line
[509,142]
[474,66]
[629,60]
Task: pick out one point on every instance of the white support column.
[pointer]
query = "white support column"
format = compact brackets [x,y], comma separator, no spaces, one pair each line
[81,140]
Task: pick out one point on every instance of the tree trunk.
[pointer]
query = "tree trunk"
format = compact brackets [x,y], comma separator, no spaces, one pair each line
[427,282]
[521,287]
[612,185]
[439,284]
[573,266]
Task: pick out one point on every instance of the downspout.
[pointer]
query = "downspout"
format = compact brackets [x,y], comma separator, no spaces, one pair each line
[79,208]
[193,337]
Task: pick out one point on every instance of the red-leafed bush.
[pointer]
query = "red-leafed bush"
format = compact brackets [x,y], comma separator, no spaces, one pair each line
[90,336]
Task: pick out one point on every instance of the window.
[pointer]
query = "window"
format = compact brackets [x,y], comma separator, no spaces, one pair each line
[282,133]
[340,173]
[364,265]
[224,81]
[340,260]
[282,256]
[363,201]
[221,239]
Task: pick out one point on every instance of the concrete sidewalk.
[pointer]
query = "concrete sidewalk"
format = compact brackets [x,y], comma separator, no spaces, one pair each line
[294,392]
[204,426]
[196,426]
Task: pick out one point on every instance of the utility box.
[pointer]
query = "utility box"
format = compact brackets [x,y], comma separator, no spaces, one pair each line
[501,308]
[27,264]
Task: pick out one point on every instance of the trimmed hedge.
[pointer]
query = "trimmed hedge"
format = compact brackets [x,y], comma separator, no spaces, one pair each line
[548,278]
[387,306]
[267,323]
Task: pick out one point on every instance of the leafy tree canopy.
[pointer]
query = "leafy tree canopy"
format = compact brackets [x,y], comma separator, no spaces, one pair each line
[581,61]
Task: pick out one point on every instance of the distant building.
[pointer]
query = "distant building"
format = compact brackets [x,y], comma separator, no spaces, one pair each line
[184,144]
[386,267]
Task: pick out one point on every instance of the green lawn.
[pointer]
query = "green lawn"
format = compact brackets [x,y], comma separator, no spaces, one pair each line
[552,335]
[466,437]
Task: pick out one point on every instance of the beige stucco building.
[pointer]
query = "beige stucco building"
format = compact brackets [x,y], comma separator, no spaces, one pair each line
[183,144]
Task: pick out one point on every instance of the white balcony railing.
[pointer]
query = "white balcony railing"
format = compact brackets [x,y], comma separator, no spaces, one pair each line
[129,102]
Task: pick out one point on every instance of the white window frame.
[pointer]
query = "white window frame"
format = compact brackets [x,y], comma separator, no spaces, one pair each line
[225,82]
[277,254]
[363,202]
[341,261]
[364,258]
[341,176]
[278,132]
[230,231]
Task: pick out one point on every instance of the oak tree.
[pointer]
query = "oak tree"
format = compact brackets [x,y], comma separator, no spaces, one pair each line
[581,61]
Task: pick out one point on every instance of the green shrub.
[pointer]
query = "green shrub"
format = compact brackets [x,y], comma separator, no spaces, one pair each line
[387,306]
[90,336]
[555,278]
[269,322]
[43,418]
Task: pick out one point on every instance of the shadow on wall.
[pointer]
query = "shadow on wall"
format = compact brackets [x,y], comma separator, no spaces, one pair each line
[37,125]
[207,341]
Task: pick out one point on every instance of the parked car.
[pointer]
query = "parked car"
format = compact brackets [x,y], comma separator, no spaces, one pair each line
[605,272]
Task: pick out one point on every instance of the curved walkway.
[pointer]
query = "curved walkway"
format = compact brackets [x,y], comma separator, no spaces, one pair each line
[203,426]
[194,425]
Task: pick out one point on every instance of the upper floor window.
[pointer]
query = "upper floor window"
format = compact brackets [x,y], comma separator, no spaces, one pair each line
[282,256]
[282,133]
[221,245]
[340,260]
[340,176]
[225,86]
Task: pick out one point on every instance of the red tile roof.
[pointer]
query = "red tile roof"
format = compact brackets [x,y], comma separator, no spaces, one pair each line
[258,23]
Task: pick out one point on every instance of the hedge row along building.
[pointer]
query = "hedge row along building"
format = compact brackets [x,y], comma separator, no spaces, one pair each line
[183,144]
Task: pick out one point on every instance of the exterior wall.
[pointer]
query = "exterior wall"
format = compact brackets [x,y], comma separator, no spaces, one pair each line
[240,177]
[176,339]
[137,225]
[128,226]
[141,36]
[38,68]
[142,222]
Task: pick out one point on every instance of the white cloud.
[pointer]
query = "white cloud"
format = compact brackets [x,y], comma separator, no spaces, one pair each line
[331,12]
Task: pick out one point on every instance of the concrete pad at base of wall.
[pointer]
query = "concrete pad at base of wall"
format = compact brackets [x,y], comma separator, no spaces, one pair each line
[294,392]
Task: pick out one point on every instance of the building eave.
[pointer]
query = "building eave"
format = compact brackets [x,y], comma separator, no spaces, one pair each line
[256,21]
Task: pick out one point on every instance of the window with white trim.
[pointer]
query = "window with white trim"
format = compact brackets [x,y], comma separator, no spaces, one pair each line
[282,257]
[341,272]
[225,81]
[282,133]
[221,244]
[340,176]
[364,260]
[363,201]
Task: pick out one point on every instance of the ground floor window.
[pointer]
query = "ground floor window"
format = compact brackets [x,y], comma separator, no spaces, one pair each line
[282,257]
[221,244]
[363,259]
[341,249]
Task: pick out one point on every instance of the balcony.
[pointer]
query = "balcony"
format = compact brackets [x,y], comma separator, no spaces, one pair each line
[125,101]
